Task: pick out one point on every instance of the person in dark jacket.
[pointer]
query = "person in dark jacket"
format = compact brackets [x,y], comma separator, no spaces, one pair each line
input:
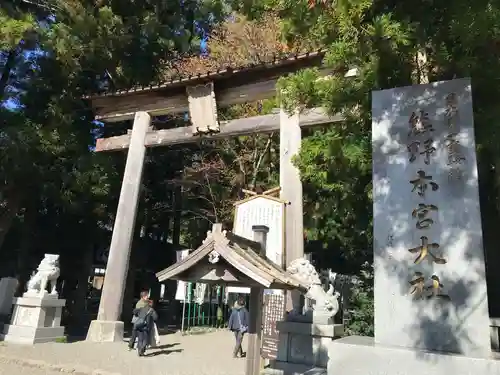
[146,316]
[238,323]
[143,302]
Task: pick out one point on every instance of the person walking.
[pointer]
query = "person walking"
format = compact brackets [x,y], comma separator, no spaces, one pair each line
[154,336]
[146,316]
[143,302]
[238,324]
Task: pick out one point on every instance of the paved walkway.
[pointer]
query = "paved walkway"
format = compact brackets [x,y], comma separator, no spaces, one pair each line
[202,354]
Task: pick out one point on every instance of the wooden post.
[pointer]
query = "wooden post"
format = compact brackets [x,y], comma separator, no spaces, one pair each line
[291,191]
[177,214]
[255,307]
[254,331]
[107,327]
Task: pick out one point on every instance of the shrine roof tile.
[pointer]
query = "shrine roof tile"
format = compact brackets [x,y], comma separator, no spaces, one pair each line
[216,74]
[240,253]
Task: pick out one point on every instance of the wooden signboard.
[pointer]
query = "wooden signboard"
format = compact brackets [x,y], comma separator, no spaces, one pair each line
[262,209]
[274,311]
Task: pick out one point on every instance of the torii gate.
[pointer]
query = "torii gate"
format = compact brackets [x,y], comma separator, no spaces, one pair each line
[200,95]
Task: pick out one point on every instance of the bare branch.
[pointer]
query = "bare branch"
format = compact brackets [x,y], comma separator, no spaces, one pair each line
[199,216]
[241,42]
[259,162]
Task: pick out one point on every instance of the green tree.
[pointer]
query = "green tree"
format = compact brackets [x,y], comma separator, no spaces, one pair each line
[55,193]
[381,39]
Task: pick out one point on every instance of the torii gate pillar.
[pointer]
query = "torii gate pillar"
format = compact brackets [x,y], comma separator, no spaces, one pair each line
[108,327]
[291,191]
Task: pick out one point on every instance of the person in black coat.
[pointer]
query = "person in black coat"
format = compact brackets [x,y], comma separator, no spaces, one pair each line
[146,316]
[238,323]
[143,302]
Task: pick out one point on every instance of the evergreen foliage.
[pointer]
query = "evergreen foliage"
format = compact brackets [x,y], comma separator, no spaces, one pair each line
[381,39]
[56,194]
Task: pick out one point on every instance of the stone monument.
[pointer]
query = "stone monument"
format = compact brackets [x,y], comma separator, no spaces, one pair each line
[431,307]
[8,286]
[304,338]
[37,314]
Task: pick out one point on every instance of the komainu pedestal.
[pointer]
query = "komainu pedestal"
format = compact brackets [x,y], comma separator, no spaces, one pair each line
[35,320]
[303,348]
[37,314]
[304,339]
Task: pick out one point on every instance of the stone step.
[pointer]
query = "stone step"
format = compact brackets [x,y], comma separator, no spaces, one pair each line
[286,368]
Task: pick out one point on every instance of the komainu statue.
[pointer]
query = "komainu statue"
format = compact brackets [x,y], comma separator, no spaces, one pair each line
[326,304]
[47,273]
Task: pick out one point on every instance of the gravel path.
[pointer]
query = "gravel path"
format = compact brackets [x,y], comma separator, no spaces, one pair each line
[204,354]
[12,369]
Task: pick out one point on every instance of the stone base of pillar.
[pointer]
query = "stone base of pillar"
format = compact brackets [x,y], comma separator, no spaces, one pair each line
[356,355]
[105,331]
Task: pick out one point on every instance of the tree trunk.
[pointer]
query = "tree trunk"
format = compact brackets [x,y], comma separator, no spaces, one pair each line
[7,70]
[78,312]
[489,184]
[24,261]
[7,217]
[164,230]
[177,204]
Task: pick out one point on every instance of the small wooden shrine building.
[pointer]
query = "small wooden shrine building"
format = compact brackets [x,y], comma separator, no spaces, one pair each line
[225,258]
